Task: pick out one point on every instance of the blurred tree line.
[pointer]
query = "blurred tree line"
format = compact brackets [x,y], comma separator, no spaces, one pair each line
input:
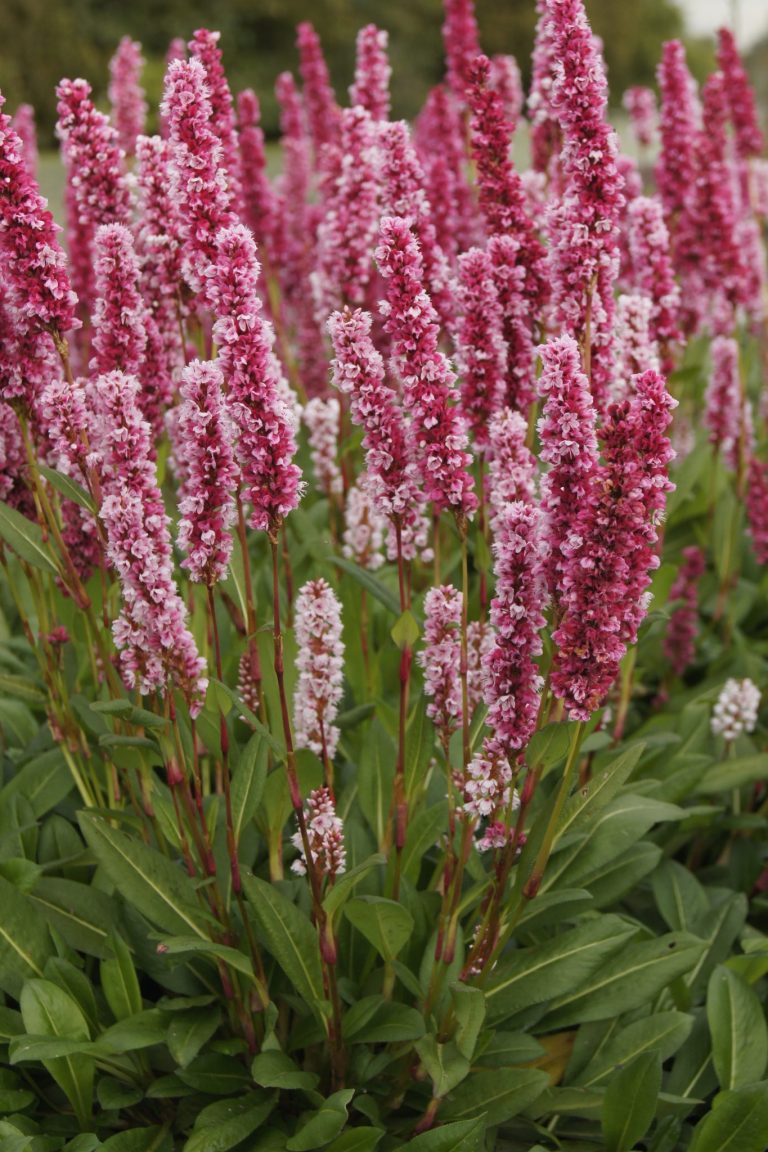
[42,41]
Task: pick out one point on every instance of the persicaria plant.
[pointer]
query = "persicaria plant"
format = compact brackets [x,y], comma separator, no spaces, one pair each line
[382,625]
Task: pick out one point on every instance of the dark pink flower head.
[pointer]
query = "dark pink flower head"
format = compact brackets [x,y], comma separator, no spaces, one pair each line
[28,359]
[199,181]
[741,97]
[569,446]
[207,495]
[177,50]
[481,355]
[441,656]
[97,187]
[23,124]
[611,549]
[440,145]
[757,508]
[640,104]
[652,273]
[320,665]
[259,200]
[263,422]
[679,122]
[325,832]
[636,348]
[509,274]
[372,73]
[461,40]
[14,478]
[723,399]
[204,46]
[322,415]
[129,108]
[428,382]
[319,98]
[35,264]
[507,81]
[511,464]
[545,129]
[119,313]
[683,626]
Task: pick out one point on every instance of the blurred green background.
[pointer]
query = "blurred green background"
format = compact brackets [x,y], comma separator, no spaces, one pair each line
[41,41]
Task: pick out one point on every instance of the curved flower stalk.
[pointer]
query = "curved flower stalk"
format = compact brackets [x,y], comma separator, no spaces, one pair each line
[511,464]
[481,354]
[320,665]
[569,445]
[204,46]
[23,124]
[610,552]
[363,535]
[372,73]
[157,649]
[96,184]
[271,482]
[129,108]
[723,399]
[321,416]
[440,658]
[440,432]
[640,104]
[326,837]
[206,496]
[198,178]
[736,709]
[683,626]
[119,313]
[652,273]
[461,40]
[259,199]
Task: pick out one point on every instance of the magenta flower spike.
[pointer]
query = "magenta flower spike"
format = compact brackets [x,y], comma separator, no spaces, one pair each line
[319,97]
[204,46]
[723,399]
[97,188]
[757,508]
[610,551]
[652,273]
[506,80]
[293,186]
[129,108]
[23,124]
[636,350]
[679,122]
[364,525]
[206,497]
[569,446]
[372,73]
[259,199]
[35,265]
[346,235]
[271,481]
[461,40]
[428,381]
[439,139]
[320,665]
[511,464]
[441,657]
[156,647]
[119,313]
[14,481]
[683,626]
[481,352]
[480,642]
[509,275]
[322,415]
[748,135]
[28,360]
[325,831]
[198,177]
[640,104]
[545,127]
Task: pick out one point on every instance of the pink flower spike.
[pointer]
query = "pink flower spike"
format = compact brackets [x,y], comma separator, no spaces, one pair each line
[264,424]
[34,263]
[119,313]
[507,81]
[204,46]
[741,97]
[652,272]
[129,108]
[23,124]
[326,837]
[757,508]
[206,498]
[321,416]
[322,109]
[481,354]
[461,40]
[683,626]
[363,527]
[679,122]
[428,382]
[636,350]
[441,150]
[640,104]
[441,657]
[14,467]
[372,73]
[320,664]
[545,128]
[511,465]
[259,200]
[722,400]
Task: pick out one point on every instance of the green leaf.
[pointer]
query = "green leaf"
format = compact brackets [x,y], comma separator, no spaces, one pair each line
[48,1010]
[81,913]
[114,1095]
[738,1029]
[548,745]
[248,783]
[384,923]
[186,945]
[324,1124]
[463,1136]
[289,936]
[731,774]
[143,1030]
[630,1102]
[495,1094]
[68,488]
[555,967]
[189,1031]
[223,1125]
[144,878]
[22,688]
[154,1139]
[662,1032]
[25,538]
[119,981]
[375,1020]
[738,1122]
[44,780]
[599,792]
[215,1074]
[679,895]
[405,631]
[363,577]
[627,981]
[422,835]
[25,942]
[443,1063]
[349,881]
[469,1011]
[356,1140]
[277,1070]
